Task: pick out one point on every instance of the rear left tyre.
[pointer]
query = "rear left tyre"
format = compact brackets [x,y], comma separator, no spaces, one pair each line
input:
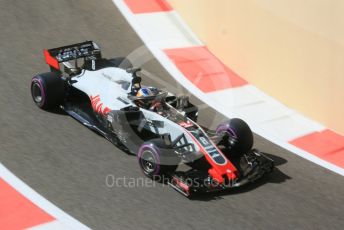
[47,90]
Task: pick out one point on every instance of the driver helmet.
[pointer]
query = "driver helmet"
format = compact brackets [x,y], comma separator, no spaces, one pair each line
[146,92]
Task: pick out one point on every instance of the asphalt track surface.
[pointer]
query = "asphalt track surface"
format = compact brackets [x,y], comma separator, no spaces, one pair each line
[68,164]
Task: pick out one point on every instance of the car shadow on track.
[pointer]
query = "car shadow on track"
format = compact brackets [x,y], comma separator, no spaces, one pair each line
[275,177]
[57,111]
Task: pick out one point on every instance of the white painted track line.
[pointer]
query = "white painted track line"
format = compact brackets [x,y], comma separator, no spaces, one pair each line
[166,31]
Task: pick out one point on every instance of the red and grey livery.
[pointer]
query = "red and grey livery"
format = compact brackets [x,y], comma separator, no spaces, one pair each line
[161,130]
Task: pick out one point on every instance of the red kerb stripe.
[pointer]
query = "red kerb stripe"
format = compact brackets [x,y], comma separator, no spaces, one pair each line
[326,145]
[203,69]
[17,212]
[148,6]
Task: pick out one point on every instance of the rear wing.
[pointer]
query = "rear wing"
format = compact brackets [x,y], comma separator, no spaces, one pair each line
[88,50]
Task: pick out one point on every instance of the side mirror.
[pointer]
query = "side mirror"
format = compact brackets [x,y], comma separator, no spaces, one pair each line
[167,139]
[182,102]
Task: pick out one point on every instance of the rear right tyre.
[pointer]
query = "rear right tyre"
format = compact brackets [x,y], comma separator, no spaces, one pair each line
[121,62]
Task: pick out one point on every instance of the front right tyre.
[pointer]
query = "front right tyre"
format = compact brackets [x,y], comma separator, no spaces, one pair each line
[237,137]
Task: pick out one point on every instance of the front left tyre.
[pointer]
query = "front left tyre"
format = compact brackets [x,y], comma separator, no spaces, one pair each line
[47,90]
[157,160]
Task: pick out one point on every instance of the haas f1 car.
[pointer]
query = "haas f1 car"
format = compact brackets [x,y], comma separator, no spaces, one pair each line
[160,128]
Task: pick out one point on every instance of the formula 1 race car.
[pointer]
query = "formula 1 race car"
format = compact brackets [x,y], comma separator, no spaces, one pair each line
[159,127]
